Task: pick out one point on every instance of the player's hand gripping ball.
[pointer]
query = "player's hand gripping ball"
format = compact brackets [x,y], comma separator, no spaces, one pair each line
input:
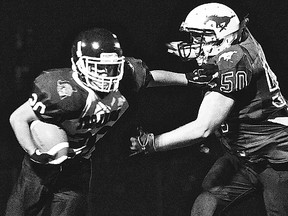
[144,143]
[51,141]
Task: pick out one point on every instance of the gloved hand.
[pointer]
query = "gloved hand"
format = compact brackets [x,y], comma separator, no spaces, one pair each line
[203,76]
[144,143]
[41,158]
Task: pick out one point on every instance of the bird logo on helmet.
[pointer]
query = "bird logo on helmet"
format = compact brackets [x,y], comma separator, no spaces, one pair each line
[221,22]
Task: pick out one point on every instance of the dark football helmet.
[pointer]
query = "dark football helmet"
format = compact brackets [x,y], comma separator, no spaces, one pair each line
[97,57]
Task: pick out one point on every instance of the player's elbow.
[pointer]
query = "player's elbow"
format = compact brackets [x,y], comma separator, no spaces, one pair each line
[13,118]
[205,130]
[17,118]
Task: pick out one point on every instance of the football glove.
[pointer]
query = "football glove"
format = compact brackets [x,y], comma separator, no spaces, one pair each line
[41,158]
[144,143]
[204,76]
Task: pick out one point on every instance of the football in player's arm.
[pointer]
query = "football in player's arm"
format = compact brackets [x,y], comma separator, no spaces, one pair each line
[242,105]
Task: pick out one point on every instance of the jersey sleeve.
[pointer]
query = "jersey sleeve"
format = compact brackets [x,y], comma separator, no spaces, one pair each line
[52,97]
[136,76]
[235,71]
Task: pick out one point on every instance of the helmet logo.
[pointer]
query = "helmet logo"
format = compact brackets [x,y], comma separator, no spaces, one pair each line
[221,22]
[64,89]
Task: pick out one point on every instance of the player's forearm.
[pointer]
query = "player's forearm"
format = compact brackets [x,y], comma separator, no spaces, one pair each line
[186,135]
[166,78]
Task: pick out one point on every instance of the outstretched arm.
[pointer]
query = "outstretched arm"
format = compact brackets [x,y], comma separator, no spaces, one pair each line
[212,112]
[137,75]
[201,77]
[166,78]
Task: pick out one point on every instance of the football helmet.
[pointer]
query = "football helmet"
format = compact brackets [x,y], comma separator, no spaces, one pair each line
[98,58]
[212,27]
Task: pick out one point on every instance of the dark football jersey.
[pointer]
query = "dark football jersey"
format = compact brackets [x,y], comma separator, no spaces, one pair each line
[256,128]
[60,97]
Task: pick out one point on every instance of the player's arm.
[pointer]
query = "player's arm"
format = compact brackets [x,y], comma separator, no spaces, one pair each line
[141,76]
[20,121]
[200,77]
[216,105]
[137,75]
[165,78]
[212,112]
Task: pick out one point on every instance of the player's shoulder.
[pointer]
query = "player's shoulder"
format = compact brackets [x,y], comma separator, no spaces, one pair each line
[135,63]
[51,75]
[229,58]
[132,59]
[136,75]
[56,79]
[56,85]
[235,70]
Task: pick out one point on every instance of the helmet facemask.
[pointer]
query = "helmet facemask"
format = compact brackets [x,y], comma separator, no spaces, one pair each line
[101,74]
[97,58]
[198,46]
[203,44]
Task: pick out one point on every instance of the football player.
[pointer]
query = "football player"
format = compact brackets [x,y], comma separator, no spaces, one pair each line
[85,101]
[242,105]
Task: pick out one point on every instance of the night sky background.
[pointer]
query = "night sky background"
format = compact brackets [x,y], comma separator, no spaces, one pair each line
[37,35]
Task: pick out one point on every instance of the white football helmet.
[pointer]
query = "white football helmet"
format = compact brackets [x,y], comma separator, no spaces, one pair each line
[97,57]
[212,27]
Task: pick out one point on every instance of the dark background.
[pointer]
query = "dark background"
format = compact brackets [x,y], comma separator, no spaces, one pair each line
[37,35]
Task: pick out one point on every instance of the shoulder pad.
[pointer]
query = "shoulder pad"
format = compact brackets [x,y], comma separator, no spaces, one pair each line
[229,57]
[53,91]
[235,70]
[137,72]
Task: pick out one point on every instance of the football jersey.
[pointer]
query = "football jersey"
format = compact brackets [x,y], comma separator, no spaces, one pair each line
[256,128]
[60,97]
